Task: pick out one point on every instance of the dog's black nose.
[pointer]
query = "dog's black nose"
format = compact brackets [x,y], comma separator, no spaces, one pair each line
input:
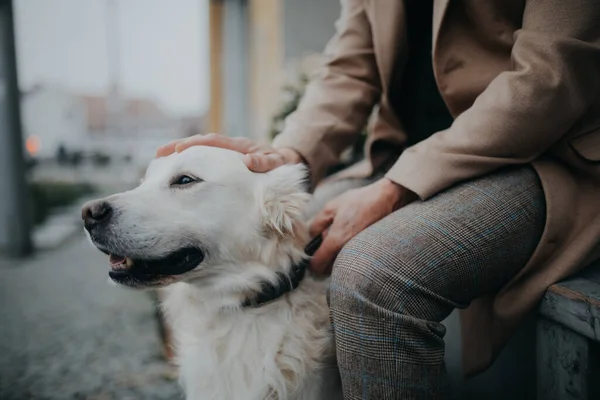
[95,212]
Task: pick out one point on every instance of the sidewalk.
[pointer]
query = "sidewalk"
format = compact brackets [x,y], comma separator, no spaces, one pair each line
[67,334]
[64,223]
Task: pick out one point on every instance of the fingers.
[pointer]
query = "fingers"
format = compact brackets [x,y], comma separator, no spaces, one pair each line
[167,149]
[239,144]
[263,162]
[323,259]
[322,220]
[254,159]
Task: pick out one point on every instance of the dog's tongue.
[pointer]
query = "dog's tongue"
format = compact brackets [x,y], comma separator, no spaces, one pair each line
[116,260]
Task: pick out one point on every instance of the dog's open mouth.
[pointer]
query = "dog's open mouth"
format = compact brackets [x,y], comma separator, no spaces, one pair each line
[148,272]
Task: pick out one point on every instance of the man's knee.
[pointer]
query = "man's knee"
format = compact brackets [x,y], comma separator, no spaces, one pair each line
[359,277]
[366,276]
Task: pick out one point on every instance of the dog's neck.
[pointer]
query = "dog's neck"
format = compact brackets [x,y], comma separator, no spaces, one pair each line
[211,329]
[212,332]
[286,282]
[253,284]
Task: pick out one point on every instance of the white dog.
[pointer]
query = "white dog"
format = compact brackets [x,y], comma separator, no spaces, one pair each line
[226,246]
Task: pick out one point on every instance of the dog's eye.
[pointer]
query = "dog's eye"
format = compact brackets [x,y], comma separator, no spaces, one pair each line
[183,180]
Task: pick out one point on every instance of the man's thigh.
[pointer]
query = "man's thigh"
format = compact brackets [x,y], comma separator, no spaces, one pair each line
[395,282]
[461,244]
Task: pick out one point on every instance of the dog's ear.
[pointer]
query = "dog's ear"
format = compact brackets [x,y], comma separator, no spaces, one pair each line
[284,199]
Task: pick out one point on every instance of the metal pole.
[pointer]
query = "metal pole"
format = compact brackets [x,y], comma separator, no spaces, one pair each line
[15,237]
[113,47]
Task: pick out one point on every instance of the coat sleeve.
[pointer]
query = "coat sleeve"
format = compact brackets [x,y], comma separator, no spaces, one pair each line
[340,98]
[553,80]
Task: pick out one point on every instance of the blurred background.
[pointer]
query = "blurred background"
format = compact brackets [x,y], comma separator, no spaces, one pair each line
[88,90]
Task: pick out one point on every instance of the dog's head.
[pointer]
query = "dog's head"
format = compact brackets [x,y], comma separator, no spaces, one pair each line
[200,215]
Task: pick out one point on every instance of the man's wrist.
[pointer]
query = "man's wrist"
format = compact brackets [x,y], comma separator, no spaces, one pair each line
[291,156]
[398,194]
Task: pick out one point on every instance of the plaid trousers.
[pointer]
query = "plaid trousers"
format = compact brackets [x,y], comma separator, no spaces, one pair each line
[395,282]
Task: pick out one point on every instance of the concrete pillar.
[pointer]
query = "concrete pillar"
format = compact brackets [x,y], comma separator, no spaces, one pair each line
[215,112]
[15,239]
[235,68]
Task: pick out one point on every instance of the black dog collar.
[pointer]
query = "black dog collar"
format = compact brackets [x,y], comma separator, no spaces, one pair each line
[285,282]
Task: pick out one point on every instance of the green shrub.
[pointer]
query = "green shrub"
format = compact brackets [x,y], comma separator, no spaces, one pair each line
[46,196]
[294,94]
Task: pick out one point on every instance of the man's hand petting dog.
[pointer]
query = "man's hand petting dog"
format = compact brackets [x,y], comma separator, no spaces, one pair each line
[339,221]
[345,216]
[259,158]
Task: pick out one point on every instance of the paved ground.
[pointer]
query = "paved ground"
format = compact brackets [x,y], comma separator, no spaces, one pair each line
[65,333]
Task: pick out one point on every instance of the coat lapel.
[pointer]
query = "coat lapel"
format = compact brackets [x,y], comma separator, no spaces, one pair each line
[439,11]
[387,21]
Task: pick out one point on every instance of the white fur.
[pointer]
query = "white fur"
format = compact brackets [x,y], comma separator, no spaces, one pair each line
[251,226]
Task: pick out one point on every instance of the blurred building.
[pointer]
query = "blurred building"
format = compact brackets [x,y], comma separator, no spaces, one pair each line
[52,117]
[140,126]
[137,114]
[252,43]
[58,120]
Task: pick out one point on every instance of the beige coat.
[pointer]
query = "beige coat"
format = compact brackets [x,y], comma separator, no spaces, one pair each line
[521,78]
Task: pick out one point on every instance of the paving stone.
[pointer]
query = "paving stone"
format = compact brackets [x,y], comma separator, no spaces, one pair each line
[65,333]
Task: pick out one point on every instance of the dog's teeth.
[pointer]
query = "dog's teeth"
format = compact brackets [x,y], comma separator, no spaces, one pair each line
[128,262]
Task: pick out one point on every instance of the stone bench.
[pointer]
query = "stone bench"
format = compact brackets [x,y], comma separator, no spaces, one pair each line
[568,339]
